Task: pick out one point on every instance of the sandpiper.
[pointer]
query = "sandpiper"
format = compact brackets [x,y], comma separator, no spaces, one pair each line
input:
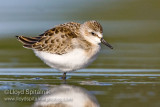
[67,47]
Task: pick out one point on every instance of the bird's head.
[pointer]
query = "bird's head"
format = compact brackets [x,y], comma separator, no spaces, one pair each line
[92,31]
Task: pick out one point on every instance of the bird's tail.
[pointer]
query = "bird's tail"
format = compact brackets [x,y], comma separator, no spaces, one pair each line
[28,41]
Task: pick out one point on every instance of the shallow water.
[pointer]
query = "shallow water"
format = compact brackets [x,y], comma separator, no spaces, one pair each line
[111,87]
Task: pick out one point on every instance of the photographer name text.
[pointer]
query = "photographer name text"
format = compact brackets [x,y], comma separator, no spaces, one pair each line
[25,92]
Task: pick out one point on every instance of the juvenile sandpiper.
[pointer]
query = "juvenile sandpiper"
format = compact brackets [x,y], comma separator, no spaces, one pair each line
[67,47]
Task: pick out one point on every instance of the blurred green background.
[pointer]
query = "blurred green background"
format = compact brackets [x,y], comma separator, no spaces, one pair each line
[131,26]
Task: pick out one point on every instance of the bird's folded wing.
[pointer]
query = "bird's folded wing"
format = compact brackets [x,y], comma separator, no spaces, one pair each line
[56,40]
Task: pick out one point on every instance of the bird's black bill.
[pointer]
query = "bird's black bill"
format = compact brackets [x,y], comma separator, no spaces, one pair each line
[106,43]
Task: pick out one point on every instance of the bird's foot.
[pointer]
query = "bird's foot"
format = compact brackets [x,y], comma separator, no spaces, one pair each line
[64,77]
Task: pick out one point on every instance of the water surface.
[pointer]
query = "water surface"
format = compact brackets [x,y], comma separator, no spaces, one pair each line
[111,87]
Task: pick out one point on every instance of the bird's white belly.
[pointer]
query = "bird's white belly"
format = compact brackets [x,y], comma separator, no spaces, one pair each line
[71,61]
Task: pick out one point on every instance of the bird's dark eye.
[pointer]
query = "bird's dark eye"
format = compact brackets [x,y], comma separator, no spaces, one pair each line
[93,33]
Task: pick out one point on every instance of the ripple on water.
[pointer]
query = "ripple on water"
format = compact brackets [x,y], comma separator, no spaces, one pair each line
[95,83]
[23,77]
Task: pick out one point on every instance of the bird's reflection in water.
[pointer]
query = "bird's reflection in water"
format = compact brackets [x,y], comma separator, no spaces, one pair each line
[67,96]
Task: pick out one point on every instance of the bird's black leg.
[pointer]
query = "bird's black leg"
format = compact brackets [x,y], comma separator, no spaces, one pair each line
[64,76]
